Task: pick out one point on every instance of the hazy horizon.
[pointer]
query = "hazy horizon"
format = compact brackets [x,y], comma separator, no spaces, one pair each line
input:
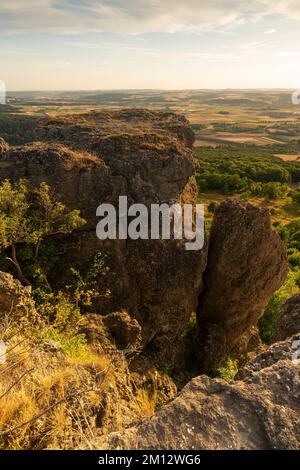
[105,90]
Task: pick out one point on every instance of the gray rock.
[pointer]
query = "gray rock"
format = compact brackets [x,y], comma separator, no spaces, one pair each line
[260,412]
[288,321]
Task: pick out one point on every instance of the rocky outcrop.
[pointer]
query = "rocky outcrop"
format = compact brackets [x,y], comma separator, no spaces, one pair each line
[279,353]
[79,180]
[116,328]
[260,412]
[126,331]
[126,396]
[288,321]
[247,262]
[15,300]
[3,146]
[95,158]
[114,133]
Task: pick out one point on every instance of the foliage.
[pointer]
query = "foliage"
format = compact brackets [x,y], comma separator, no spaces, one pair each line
[60,312]
[268,322]
[290,233]
[227,371]
[212,207]
[247,171]
[269,190]
[28,216]
[296,195]
[84,288]
[14,206]
[198,127]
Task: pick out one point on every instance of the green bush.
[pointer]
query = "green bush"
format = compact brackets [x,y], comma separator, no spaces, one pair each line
[295,195]
[212,207]
[267,323]
[252,170]
[227,371]
[28,216]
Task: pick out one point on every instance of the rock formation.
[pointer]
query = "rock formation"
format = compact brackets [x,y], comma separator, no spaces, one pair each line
[155,286]
[3,145]
[288,321]
[260,412]
[94,158]
[14,298]
[247,262]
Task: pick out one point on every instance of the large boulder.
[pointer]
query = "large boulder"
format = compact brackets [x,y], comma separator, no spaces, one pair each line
[15,299]
[259,412]
[247,262]
[288,321]
[95,158]
[3,146]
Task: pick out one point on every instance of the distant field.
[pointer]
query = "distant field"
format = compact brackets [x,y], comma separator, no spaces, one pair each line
[236,138]
[288,158]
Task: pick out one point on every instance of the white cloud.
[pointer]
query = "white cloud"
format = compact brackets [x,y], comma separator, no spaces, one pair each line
[136,16]
[152,53]
[286,54]
[270,31]
[251,45]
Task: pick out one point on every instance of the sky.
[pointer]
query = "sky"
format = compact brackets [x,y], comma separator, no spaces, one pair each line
[157,44]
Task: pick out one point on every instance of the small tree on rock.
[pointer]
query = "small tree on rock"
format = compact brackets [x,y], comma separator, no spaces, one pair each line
[28,216]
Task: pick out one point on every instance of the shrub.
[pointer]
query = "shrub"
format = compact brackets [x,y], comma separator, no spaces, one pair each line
[227,371]
[295,195]
[212,207]
[27,216]
[268,322]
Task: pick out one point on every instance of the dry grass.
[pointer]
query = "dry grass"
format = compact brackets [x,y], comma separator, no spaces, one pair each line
[48,400]
[147,401]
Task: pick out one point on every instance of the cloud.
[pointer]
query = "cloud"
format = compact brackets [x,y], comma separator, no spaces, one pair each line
[136,16]
[151,53]
[270,31]
[251,45]
[286,54]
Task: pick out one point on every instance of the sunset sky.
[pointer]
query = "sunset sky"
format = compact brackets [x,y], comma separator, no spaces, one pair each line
[164,44]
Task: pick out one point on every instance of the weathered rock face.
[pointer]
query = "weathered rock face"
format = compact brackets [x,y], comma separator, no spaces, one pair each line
[117,132]
[279,353]
[260,412]
[3,145]
[126,331]
[247,262]
[14,298]
[95,158]
[120,403]
[80,180]
[288,322]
